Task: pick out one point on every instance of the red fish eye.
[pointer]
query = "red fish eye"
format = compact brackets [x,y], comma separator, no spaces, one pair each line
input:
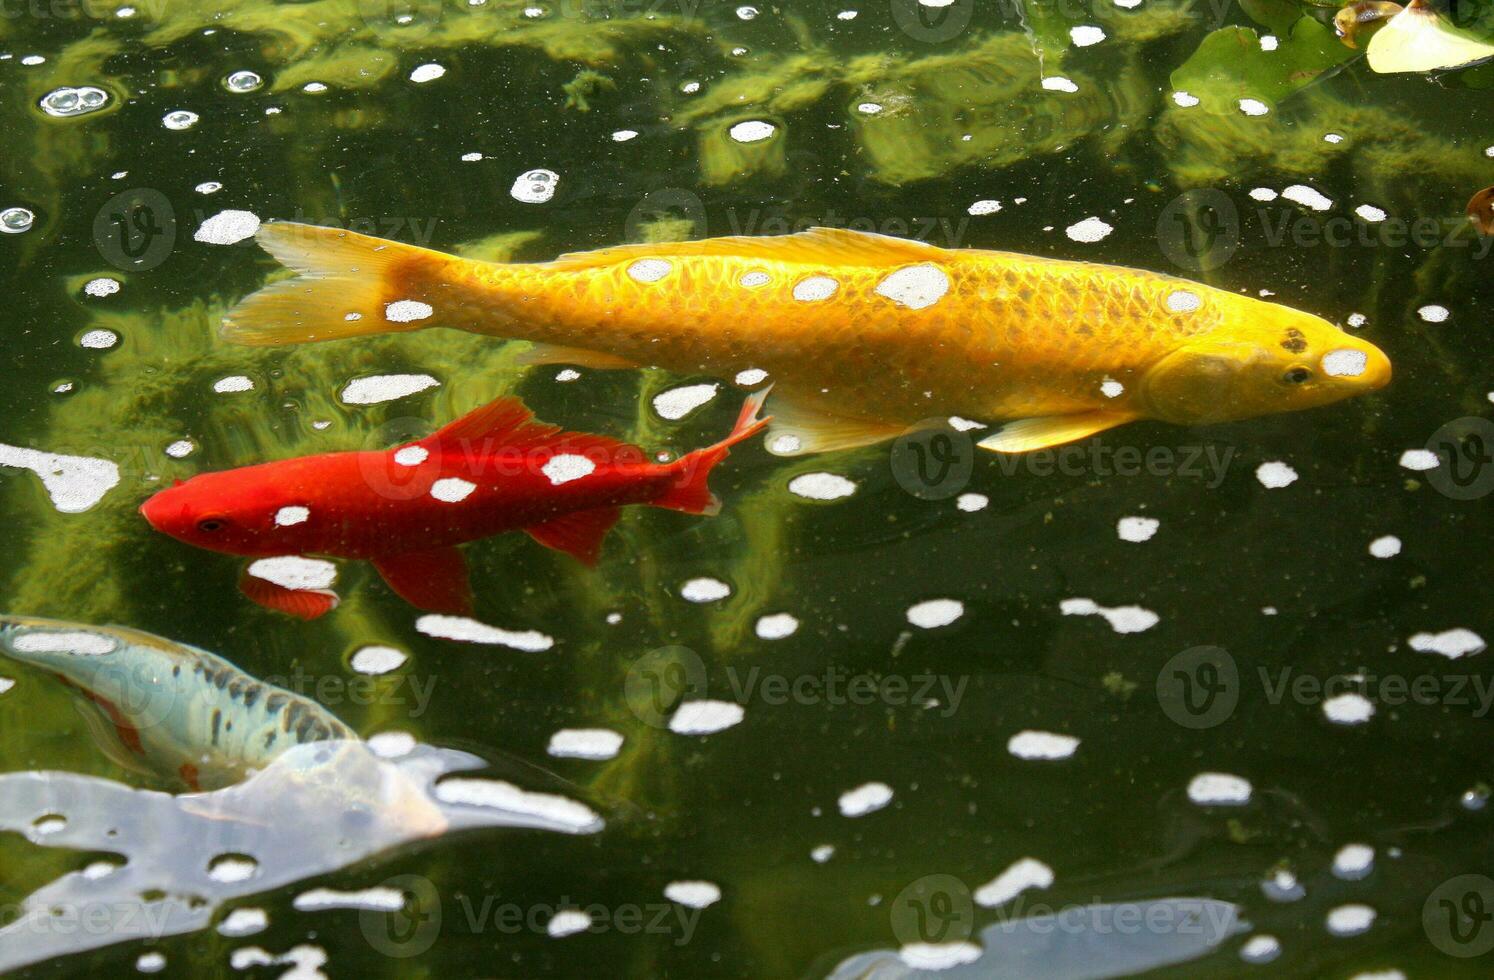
[211,524]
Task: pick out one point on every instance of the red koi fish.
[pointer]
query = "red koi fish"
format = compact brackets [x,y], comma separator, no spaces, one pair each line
[407,509]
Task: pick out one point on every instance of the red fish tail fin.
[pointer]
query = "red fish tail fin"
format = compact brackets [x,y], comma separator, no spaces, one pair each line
[691,492]
[347,285]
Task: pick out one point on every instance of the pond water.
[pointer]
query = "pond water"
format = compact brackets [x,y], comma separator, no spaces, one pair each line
[1204,700]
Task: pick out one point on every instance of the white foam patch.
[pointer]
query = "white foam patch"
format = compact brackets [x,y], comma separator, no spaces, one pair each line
[821,486]
[1419,460]
[752,131]
[623,135]
[1353,862]
[754,279]
[1275,475]
[452,489]
[1348,709]
[776,626]
[568,922]
[392,745]
[231,870]
[295,572]
[1263,194]
[1031,744]
[676,403]
[534,186]
[471,631]
[181,448]
[75,642]
[1260,949]
[1350,920]
[567,374]
[1269,43]
[379,899]
[785,445]
[917,287]
[1057,83]
[1370,213]
[933,957]
[705,717]
[695,894]
[1111,388]
[983,207]
[411,455]
[971,502]
[228,228]
[1308,197]
[496,794]
[1183,301]
[150,962]
[385,387]
[815,288]
[864,799]
[1022,875]
[74,483]
[232,384]
[1357,319]
[822,853]
[594,744]
[98,339]
[427,73]
[649,270]
[407,311]
[1253,107]
[375,660]
[1085,35]
[704,589]
[1137,529]
[244,922]
[1184,100]
[1090,230]
[933,613]
[1345,362]
[1432,313]
[101,287]
[1219,789]
[6,684]
[1452,644]
[565,467]
[1122,619]
[1386,546]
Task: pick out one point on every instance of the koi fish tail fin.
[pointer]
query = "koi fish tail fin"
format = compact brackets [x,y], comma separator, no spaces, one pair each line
[347,285]
[691,492]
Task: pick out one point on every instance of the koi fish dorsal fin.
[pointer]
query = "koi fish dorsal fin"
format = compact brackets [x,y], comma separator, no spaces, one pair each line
[817,246]
[507,423]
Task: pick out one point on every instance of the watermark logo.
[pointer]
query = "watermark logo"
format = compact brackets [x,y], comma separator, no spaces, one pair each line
[135,230]
[1199,230]
[932,21]
[659,680]
[933,461]
[405,473]
[1465,451]
[1199,687]
[665,205]
[934,909]
[1459,916]
[413,928]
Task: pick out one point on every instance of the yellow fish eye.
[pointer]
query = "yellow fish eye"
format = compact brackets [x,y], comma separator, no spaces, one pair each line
[1297,376]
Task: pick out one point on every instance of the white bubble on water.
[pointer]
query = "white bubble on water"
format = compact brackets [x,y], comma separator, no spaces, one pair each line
[1023,874]
[227,228]
[864,799]
[1433,313]
[776,626]
[1184,100]
[1308,197]
[752,131]
[1137,529]
[933,613]
[1386,546]
[375,660]
[101,287]
[1089,231]
[427,73]
[592,744]
[1275,474]
[98,339]
[233,383]
[1057,83]
[385,387]
[13,221]
[705,717]
[179,119]
[1253,107]
[704,589]
[1219,789]
[535,186]
[1085,35]
[676,403]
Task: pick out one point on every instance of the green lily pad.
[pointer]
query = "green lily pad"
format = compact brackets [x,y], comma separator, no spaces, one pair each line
[1230,65]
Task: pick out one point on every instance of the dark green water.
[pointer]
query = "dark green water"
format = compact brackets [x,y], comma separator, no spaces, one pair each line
[1280,582]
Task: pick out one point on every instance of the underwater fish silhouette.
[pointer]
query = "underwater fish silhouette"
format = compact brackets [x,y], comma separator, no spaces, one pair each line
[166,708]
[864,335]
[407,508]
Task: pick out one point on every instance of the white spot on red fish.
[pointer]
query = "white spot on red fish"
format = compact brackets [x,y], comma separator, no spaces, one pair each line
[565,467]
[1345,362]
[649,270]
[407,311]
[385,387]
[293,514]
[754,279]
[933,613]
[864,799]
[821,486]
[704,590]
[411,455]
[452,489]
[1183,301]
[471,631]
[916,287]
[815,288]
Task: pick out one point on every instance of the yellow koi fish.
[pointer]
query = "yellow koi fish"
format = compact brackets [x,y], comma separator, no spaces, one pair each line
[863,335]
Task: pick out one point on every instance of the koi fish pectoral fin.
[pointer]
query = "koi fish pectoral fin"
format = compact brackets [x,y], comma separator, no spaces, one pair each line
[579,534]
[1025,435]
[434,580]
[300,603]
[797,430]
